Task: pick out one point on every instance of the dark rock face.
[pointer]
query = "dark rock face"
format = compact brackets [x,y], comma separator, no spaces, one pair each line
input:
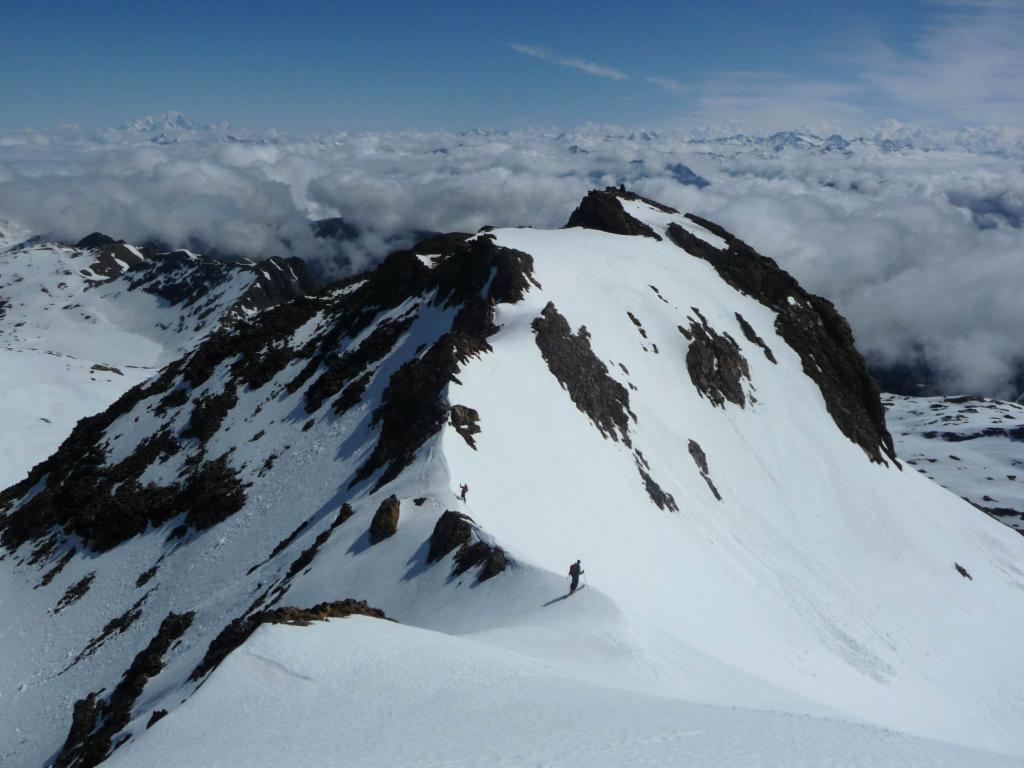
[639,326]
[112,256]
[75,592]
[697,454]
[1011,433]
[963,571]
[466,422]
[455,531]
[812,327]
[716,365]
[95,240]
[451,531]
[106,505]
[116,626]
[57,568]
[212,493]
[385,520]
[492,559]
[179,278]
[603,211]
[307,556]
[279,280]
[146,576]
[661,498]
[157,716]
[582,374]
[208,413]
[413,407]
[753,338]
[239,630]
[96,722]
[344,370]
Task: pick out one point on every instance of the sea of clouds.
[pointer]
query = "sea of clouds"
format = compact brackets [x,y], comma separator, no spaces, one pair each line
[915,235]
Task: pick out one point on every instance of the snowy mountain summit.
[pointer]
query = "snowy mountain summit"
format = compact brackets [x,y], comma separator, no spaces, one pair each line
[263,553]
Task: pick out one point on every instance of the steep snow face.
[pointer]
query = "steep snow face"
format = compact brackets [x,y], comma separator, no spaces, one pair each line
[716,457]
[821,571]
[974,446]
[79,326]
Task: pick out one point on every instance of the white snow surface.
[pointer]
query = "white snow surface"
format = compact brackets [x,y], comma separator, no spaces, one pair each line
[363,692]
[45,394]
[788,624]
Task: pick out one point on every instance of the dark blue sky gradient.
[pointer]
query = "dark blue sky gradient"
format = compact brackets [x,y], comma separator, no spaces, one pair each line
[318,66]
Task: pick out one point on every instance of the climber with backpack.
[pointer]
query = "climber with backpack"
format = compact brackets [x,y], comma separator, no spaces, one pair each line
[575,571]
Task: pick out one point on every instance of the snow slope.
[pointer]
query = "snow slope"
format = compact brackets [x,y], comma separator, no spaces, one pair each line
[748,538]
[81,325]
[974,446]
[409,697]
[45,394]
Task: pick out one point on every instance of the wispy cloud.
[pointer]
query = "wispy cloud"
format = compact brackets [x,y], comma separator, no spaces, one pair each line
[670,85]
[964,66]
[966,63]
[590,67]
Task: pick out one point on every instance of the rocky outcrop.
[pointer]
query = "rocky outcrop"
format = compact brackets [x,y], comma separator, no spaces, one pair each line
[112,257]
[716,365]
[701,460]
[466,422]
[492,560]
[602,210]
[208,412]
[278,280]
[811,326]
[385,520]
[582,374]
[413,407]
[753,338]
[451,531]
[75,592]
[457,532]
[341,371]
[95,722]
[661,498]
[107,504]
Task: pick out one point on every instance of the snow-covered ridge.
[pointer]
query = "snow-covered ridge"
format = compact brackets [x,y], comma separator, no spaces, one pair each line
[704,436]
[80,325]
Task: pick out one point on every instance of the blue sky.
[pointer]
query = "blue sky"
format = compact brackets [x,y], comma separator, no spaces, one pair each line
[319,66]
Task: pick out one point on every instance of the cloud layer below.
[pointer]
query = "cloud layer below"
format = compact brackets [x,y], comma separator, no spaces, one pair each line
[916,235]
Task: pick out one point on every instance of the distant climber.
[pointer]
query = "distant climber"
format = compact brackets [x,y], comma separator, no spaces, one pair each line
[465,489]
[574,573]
